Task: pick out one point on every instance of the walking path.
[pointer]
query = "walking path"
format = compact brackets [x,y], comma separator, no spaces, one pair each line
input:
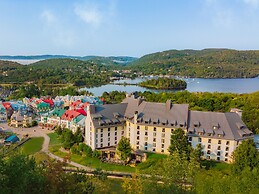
[39,132]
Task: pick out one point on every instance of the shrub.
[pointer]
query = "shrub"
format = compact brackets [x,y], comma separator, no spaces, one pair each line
[34,123]
[74,149]
[96,154]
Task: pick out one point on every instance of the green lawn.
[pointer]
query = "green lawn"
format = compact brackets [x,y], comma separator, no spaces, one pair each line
[55,145]
[32,146]
[214,165]
[54,140]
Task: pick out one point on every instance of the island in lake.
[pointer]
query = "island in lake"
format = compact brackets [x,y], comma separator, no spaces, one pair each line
[164,83]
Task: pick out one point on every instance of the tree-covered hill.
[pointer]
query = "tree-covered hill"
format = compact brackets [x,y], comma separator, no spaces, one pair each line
[207,63]
[8,65]
[58,71]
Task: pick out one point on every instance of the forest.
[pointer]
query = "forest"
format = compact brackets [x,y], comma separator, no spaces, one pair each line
[207,63]
[164,83]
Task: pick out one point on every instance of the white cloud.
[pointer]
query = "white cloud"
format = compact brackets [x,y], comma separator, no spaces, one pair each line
[96,13]
[89,14]
[48,17]
[253,3]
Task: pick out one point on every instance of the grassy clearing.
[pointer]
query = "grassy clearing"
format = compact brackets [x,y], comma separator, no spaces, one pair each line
[55,145]
[114,184]
[54,140]
[214,165]
[32,146]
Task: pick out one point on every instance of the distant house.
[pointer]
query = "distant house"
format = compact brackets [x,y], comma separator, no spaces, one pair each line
[67,117]
[43,107]
[3,116]
[18,120]
[78,122]
[52,119]
[12,139]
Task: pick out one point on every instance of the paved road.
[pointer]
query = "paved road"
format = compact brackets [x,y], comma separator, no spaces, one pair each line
[39,132]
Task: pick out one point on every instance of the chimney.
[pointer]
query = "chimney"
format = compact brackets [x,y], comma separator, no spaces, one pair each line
[168,104]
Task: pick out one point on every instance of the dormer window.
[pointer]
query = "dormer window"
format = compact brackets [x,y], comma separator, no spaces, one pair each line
[196,124]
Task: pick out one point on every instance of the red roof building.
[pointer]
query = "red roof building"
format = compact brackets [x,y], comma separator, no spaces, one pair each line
[70,114]
[6,105]
[81,111]
[50,102]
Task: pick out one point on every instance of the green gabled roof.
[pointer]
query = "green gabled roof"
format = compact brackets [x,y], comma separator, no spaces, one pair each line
[78,118]
[43,105]
[57,112]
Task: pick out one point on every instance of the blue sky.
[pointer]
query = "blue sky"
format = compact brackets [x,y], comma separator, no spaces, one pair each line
[126,27]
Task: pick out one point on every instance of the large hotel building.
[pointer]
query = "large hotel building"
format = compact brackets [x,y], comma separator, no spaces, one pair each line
[149,125]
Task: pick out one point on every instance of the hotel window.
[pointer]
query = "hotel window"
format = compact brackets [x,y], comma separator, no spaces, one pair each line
[227,143]
[154,149]
[163,140]
[209,146]
[145,148]
[163,130]
[190,138]
[96,141]
[219,147]
[163,145]
[96,135]
[137,142]
[226,159]
[146,133]
[172,130]
[218,153]
[101,140]
[162,151]
[115,133]
[109,139]
[154,144]
[115,142]
[122,132]
[154,128]
[146,127]
[138,137]
[101,145]
[208,152]
[218,158]
[108,144]
[199,139]
[137,127]
[154,139]
[146,138]
[219,141]
[154,134]
[145,143]
[209,140]
[101,130]
[137,147]
[108,134]
[227,148]
[163,135]
[208,157]
[115,138]
[109,129]
[226,154]
[138,132]
[115,128]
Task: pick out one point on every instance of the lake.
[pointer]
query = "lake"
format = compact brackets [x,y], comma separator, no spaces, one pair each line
[247,85]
